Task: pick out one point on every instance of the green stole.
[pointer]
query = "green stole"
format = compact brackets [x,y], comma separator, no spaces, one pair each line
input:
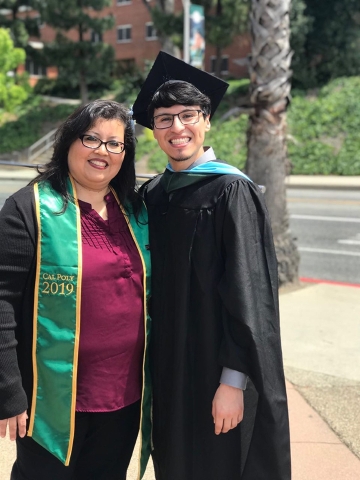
[57,302]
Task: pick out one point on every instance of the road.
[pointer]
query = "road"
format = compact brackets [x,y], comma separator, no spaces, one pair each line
[326,224]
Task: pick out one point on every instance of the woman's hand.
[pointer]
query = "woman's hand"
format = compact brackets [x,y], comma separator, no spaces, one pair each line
[15,423]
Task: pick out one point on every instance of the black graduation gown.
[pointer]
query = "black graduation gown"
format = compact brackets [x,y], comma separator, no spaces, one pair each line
[215,304]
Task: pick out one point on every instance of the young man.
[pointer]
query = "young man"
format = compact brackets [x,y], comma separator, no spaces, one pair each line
[215,297]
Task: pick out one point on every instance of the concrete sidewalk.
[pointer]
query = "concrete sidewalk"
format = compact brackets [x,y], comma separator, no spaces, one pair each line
[320,325]
[321,338]
[316,451]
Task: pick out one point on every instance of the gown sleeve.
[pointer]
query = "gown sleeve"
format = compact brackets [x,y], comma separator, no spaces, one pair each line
[251,331]
[17,252]
[248,287]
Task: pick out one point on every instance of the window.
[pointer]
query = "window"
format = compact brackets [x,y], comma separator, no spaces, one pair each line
[122,2]
[224,64]
[96,37]
[35,69]
[124,33]
[150,31]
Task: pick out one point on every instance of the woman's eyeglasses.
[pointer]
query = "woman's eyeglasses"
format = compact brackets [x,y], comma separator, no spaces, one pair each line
[112,146]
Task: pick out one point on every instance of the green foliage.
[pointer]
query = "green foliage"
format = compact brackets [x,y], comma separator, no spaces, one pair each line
[168,24]
[60,87]
[27,129]
[230,16]
[93,61]
[301,25]
[324,130]
[130,79]
[332,41]
[147,147]
[13,88]
[10,57]
[228,139]
[20,26]
[81,63]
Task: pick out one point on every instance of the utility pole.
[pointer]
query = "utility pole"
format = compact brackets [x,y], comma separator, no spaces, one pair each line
[186,46]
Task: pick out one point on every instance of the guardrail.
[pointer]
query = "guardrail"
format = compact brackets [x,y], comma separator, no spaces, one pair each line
[41,146]
[17,164]
[10,163]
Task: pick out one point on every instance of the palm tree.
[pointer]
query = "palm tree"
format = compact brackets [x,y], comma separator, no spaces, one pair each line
[267,161]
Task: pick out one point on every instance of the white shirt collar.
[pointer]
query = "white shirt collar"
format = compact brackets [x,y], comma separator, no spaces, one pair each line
[207,156]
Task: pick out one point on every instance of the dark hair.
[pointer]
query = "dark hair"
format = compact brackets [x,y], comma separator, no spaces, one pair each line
[79,122]
[176,92]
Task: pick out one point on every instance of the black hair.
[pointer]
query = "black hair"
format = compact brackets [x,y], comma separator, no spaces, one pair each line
[178,92]
[79,122]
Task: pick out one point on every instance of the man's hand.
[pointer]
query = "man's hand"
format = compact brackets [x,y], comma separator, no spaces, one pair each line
[227,408]
[15,423]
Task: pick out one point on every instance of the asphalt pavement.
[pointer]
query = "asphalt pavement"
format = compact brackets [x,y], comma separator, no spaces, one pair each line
[320,325]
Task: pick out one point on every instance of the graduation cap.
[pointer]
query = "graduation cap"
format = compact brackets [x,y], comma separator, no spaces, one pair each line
[165,68]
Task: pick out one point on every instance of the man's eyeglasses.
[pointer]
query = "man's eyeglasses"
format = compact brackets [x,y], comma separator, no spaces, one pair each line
[186,117]
[112,146]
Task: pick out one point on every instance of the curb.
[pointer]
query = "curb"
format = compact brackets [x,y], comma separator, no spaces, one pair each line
[323,182]
[326,182]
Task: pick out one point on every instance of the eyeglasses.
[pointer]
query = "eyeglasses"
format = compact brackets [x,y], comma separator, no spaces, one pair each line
[112,146]
[186,117]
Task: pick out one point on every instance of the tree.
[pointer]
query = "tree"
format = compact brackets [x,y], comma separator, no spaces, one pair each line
[269,94]
[228,16]
[301,25]
[21,27]
[330,40]
[333,44]
[168,25]
[221,16]
[13,91]
[80,62]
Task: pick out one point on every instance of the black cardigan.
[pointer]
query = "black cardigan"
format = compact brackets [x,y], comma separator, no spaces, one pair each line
[18,236]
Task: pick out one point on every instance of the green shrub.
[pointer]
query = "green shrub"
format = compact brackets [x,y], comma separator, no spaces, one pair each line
[147,147]
[229,140]
[14,89]
[324,130]
[27,129]
[62,88]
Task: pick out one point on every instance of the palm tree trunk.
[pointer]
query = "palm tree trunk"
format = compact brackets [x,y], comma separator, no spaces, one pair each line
[269,94]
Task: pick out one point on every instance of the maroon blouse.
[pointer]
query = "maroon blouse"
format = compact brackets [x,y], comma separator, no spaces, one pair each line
[112,315]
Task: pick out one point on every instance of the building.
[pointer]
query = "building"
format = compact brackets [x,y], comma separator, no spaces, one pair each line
[135,41]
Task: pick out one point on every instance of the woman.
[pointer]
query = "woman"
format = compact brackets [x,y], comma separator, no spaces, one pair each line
[73,317]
